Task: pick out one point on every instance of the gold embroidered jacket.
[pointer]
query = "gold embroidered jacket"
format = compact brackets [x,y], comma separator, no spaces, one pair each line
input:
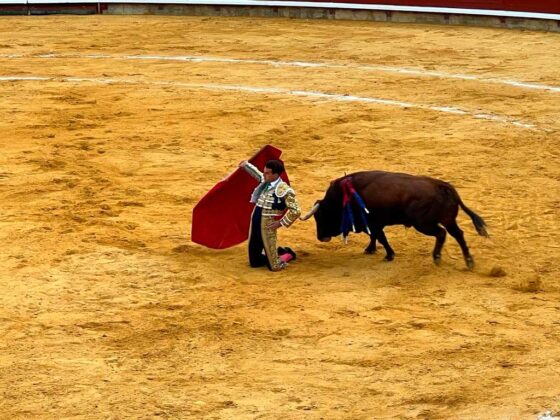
[274,201]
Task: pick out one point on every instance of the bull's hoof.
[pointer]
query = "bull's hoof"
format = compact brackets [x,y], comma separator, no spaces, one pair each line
[370,251]
[470,263]
[390,257]
[437,260]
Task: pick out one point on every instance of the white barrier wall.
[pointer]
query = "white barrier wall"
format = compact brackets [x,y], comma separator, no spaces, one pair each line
[306,10]
[312,4]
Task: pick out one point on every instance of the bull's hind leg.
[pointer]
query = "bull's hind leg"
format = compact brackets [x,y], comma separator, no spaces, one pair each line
[455,231]
[439,233]
[380,235]
[372,247]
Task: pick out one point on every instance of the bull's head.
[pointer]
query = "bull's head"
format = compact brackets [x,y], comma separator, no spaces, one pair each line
[328,216]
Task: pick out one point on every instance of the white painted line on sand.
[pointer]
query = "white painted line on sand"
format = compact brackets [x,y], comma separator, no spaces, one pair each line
[304,64]
[282,91]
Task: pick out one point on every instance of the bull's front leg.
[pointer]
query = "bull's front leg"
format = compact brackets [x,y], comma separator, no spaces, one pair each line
[380,235]
[372,247]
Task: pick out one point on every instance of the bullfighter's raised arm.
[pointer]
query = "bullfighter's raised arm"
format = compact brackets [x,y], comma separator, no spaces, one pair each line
[252,170]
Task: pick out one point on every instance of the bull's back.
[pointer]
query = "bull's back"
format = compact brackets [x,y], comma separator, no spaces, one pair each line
[395,187]
[403,197]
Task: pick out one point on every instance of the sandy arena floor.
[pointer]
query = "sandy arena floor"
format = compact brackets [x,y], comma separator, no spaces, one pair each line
[108,310]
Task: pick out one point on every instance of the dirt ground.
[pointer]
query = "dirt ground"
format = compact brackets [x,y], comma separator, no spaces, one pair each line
[108,310]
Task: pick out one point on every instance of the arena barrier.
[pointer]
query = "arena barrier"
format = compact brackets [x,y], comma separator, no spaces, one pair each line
[521,14]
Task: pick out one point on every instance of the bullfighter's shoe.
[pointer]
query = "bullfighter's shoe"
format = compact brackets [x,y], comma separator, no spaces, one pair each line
[287,250]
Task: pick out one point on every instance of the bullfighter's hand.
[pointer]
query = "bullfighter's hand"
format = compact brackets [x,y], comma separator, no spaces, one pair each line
[242,163]
[274,225]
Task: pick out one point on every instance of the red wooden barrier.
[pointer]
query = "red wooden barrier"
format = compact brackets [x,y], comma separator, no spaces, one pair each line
[536,6]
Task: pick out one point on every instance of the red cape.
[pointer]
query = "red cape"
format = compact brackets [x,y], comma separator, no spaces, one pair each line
[222,217]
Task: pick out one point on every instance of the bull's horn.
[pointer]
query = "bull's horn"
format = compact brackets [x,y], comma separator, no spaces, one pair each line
[311,213]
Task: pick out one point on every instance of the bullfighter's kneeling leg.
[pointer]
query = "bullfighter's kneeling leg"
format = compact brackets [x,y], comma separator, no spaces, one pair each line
[269,241]
[256,246]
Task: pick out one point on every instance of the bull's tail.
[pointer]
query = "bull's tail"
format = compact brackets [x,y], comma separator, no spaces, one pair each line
[478,221]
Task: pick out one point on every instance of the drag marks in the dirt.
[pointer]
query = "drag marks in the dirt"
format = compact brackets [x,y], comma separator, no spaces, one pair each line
[312,95]
[86,196]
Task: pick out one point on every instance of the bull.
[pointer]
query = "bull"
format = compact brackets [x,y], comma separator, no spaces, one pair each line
[428,204]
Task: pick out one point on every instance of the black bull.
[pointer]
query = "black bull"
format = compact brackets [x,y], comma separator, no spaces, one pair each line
[397,199]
